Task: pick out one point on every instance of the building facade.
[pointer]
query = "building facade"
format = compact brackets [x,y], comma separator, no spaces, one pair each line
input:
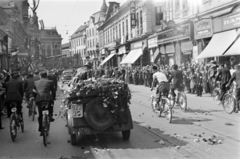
[14,22]
[124,36]
[78,46]
[50,43]
[66,57]
[217,31]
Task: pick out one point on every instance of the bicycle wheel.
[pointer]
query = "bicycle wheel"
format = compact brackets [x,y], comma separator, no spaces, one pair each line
[229,103]
[33,111]
[44,129]
[183,101]
[216,96]
[168,110]
[13,127]
[22,124]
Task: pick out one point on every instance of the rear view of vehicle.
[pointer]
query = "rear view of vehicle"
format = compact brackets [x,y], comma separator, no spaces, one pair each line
[66,78]
[99,107]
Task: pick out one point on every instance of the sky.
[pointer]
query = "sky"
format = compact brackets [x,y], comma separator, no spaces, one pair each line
[68,15]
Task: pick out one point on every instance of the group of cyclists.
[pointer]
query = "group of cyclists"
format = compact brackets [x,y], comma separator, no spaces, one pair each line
[224,75]
[42,86]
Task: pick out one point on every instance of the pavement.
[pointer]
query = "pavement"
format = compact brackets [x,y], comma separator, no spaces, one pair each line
[152,137]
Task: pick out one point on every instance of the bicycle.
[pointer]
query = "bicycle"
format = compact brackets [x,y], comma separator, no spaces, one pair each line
[229,102]
[181,100]
[45,121]
[31,108]
[216,94]
[16,121]
[163,106]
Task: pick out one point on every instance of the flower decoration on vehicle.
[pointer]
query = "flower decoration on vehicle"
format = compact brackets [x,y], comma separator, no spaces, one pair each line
[115,93]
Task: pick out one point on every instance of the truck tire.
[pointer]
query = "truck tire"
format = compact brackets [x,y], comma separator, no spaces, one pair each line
[97,116]
[73,139]
[126,134]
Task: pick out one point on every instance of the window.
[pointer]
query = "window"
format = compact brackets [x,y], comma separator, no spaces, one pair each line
[123,28]
[137,20]
[113,32]
[127,27]
[116,31]
[159,15]
[92,32]
[119,30]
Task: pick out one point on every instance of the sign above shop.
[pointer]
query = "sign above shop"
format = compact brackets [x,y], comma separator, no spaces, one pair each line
[137,45]
[203,29]
[231,22]
[183,30]
[133,13]
[122,50]
[152,42]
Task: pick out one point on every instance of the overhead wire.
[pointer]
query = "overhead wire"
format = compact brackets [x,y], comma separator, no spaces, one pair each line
[72,13]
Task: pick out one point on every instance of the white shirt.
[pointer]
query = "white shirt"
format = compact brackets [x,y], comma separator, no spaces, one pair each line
[161,77]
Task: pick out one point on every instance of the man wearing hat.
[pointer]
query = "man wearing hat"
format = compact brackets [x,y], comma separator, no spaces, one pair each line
[87,73]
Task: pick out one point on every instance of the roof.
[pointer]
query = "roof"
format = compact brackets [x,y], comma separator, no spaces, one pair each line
[104,6]
[66,45]
[79,31]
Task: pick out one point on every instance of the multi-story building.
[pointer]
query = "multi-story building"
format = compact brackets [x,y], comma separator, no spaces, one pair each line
[189,26]
[93,39]
[50,43]
[66,57]
[14,22]
[78,45]
[217,31]
[3,50]
[125,31]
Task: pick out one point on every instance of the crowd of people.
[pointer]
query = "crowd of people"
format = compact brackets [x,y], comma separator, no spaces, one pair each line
[16,87]
[192,77]
[196,78]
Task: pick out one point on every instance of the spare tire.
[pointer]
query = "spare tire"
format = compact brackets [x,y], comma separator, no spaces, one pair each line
[97,116]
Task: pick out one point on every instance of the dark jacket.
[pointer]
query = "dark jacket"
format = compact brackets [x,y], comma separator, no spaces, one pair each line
[236,77]
[29,85]
[225,75]
[45,90]
[14,90]
[177,77]
[199,80]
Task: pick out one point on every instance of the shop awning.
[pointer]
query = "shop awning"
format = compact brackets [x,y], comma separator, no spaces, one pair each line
[132,56]
[218,44]
[234,49]
[107,58]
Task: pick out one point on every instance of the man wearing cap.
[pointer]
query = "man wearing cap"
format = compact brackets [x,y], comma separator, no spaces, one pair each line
[87,71]
[236,77]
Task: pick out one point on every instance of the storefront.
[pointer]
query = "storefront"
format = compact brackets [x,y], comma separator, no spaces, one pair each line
[170,41]
[108,61]
[138,56]
[153,49]
[226,31]
[121,53]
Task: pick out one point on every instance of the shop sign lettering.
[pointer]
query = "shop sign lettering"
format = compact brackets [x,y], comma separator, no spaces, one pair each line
[137,45]
[231,22]
[122,50]
[203,29]
[152,42]
[184,30]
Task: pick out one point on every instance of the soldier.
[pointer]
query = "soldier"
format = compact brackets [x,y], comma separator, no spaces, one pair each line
[150,77]
[199,83]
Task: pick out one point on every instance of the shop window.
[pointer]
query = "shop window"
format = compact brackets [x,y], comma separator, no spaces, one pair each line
[159,15]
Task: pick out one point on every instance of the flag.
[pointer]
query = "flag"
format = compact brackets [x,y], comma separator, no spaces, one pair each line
[42,24]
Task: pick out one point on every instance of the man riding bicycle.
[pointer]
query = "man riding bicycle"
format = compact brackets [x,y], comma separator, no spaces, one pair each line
[162,81]
[225,75]
[28,87]
[14,92]
[236,77]
[45,93]
[177,83]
